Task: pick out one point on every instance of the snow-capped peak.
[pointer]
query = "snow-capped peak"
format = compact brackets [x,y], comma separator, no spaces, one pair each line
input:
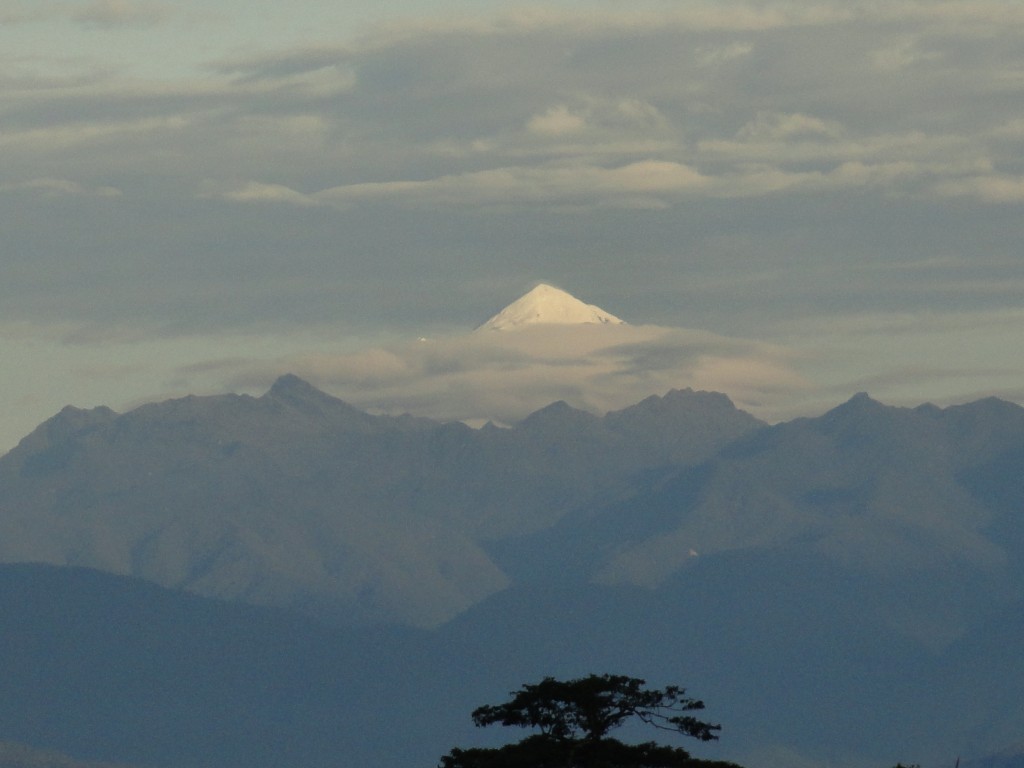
[546,304]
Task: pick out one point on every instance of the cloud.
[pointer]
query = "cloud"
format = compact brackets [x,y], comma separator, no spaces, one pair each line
[503,377]
[259,193]
[639,184]
[443,109]
[900,54]
[992,188]
[9,17]
[649,184]
[557,121]
[994,324]
[944,357]
[117,13]
[699,16]
[593,118]
[774,126]
[47,187]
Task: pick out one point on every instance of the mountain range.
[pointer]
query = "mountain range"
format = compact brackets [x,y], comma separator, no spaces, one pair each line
[296,499]
[287,580]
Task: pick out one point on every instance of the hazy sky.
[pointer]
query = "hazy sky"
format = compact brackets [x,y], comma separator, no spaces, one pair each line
[789,202]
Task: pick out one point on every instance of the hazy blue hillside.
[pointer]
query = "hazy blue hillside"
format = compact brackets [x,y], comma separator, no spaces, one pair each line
[844,589]
[903,495]
[781,646]
[105,667]
[298,499]
[1010,758]
[790,648]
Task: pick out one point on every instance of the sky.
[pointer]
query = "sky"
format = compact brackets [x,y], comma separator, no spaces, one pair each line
[787,202]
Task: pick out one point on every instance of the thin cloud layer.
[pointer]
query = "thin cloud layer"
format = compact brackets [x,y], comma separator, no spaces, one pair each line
[113,13]
[710,123]
[504,376]
[746,99]
[58,187]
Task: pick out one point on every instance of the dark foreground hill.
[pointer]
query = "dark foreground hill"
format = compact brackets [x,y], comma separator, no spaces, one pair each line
[113,669]
[846,589]
[14,755]
[107,667]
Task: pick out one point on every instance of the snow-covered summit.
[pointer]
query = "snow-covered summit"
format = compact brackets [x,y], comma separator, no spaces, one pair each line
[546,304]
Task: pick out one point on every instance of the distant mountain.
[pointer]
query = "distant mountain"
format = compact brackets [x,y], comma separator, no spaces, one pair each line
[115,669]
[1009,758]
[904,496]
[298,499]
[859,479]
[778,643]
[547,305]
[846,589]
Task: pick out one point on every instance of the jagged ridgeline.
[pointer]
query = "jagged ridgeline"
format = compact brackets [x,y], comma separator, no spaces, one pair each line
[817,580]
[297,499]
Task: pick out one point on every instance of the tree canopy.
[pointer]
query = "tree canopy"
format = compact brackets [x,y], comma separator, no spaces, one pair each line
[574,718]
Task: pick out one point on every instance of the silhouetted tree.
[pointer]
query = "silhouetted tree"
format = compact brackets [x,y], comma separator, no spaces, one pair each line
[574,718]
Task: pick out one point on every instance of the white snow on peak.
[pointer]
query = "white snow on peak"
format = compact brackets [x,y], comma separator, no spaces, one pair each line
[546,304]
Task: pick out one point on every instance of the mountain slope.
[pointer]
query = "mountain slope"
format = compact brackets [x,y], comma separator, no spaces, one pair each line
[110,668]
[298,499]
[905,495]
[777,642]
[814,581]
[547,305]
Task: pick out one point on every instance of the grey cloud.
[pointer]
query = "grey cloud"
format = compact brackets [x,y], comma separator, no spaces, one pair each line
[15,18]
[639,184]
[994,323]
[644,184]
[456,100]
[285,64]
[945,354]
[900,376]
[489,117]
[116,13]
[993,188]
[504,376]
[98,13]
[59,187]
